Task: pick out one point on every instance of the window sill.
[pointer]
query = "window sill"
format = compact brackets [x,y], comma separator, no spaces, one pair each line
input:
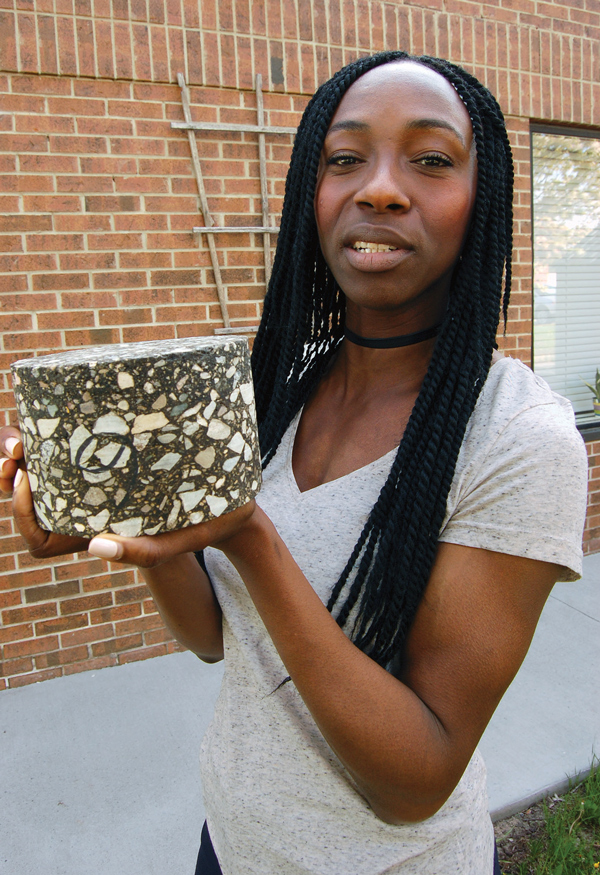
[590,431]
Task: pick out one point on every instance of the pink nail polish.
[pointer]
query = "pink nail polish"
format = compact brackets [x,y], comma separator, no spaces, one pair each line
[105,548]
[11,444]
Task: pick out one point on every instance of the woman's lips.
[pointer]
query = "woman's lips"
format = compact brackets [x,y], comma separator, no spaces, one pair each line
[384,258]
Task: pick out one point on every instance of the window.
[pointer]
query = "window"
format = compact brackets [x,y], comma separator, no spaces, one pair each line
[566,263]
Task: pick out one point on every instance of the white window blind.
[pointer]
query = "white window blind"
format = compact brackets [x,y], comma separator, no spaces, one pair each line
[566,264]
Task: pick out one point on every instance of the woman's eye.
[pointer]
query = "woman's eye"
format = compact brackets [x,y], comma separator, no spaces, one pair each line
[434,160]
[342,160]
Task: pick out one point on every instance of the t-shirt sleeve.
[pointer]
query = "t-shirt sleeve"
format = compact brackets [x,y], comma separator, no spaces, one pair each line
[525,494]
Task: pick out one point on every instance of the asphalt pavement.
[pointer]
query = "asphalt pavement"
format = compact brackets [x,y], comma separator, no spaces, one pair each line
[99,771]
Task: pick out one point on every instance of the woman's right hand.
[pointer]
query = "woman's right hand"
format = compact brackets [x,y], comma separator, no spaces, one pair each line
[11,456]
[13,478]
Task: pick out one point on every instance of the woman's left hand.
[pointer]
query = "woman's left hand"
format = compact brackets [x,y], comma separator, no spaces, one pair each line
[150,551]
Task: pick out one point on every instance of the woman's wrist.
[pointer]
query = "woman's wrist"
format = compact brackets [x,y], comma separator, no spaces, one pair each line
[249,539]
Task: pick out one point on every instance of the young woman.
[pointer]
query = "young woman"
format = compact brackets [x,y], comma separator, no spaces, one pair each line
[421,496]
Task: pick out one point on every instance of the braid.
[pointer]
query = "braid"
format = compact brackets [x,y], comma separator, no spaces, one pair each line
[379,591]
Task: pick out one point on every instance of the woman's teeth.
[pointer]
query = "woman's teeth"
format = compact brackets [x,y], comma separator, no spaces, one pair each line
[360,246]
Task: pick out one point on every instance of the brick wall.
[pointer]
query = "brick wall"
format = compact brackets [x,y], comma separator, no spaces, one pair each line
[98,198]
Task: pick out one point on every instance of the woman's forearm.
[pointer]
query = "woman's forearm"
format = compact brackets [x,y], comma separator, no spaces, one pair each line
[187,604]
[406,743]
[385,736]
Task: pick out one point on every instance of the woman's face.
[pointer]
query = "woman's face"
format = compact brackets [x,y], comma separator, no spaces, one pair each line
[396,189]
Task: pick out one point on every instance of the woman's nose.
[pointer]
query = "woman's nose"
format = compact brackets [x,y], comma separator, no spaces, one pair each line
[383,187]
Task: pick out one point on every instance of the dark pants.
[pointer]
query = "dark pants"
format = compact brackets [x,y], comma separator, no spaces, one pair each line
[209,865]
[496,863]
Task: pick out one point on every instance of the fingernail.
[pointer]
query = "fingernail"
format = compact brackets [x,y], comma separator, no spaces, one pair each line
[11,444]
[105,549]
[18,478]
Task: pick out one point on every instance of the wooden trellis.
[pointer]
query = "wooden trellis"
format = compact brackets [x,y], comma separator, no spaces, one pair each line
[209,228]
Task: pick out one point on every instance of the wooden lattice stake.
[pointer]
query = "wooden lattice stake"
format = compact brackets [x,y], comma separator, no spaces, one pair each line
[209,228]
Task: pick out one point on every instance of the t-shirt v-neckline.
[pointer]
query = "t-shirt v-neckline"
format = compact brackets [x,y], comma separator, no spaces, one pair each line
[289,440]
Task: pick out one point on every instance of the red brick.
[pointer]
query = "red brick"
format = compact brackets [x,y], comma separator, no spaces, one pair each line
[27,37]
[6,527]
[139,624]
[16,633]
[116,645]
[85,46]
[81,568]
[26,183]
[8,43]
[30,341]
[114,242]
[104,48]
[111,204]
[136,109]
[91,337]
[175,277]
[20,322]
[60,281]
[145,259]
[11,667]
[111,127]
[85,603]
[147,333]
[25,223]
[18,103]
[90,665]
[143,184]
[31,646]
[171,241]
[87,635]
[60,624]
[157,636]
[27,263]
[78,300]
[9,203]
[67,58]
[10,598]
[61,657]
[40,85]
[134,316]
[119,279]
[175,315]
[34,678]
[88,261]
[54,242]
[52,591]
[78,144]
[24,579]
[10,243]
[146,653]
[28,614]
[8,163]
[111,615]
[107,165]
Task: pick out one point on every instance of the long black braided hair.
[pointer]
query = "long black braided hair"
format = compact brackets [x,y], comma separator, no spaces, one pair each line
[379,591]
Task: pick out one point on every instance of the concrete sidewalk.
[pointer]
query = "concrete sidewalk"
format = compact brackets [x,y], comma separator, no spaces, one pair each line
[99,770]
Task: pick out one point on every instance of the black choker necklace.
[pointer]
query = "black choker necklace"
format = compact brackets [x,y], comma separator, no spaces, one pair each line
[392,342]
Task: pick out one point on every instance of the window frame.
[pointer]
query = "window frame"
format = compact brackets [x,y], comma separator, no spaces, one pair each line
[590,431]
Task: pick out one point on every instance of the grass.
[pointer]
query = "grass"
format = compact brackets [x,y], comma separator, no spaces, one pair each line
[569,841]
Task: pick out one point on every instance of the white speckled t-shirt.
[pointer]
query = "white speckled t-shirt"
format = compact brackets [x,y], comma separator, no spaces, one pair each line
[278,801]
